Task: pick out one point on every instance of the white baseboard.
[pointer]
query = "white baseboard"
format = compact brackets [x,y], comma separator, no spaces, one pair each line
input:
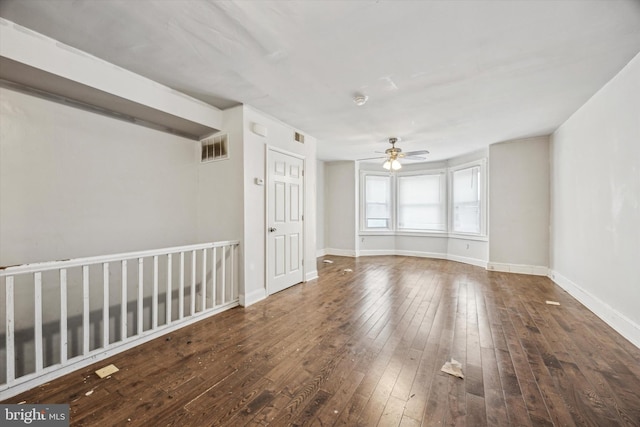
[310,275]
[467,260]
[376,252]
[321,252]
[533,270]
[340,252]
[253,297]
[419,254]
[618,321]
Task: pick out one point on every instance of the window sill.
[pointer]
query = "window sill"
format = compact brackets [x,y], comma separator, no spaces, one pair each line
[377,233]
[462,236]
[422,233]
[441,235]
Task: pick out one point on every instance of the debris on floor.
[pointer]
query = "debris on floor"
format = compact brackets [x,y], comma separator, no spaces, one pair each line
[89,393]
[553,303]
[348,270]
[453,368]
[106,371]
[328,261]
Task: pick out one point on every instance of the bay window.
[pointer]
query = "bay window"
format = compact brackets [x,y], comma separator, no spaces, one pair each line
[451,200]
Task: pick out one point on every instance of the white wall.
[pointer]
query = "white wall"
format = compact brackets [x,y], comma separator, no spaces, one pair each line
[341,199]
[320,209]
[279,135]
[519,206]
[75,184]
[220,186]
[470,251]
[595,204]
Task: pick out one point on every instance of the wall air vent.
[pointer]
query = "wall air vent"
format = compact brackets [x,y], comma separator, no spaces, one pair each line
[298,137]
[215,148]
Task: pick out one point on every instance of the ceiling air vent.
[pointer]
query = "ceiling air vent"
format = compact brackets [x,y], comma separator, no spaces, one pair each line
[215,148]
[298,137]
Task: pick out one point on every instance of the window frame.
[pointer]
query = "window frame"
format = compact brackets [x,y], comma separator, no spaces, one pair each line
[483,202]
[443,205]
[363,203]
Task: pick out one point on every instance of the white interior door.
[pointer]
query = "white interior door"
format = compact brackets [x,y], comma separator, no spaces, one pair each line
[284,221]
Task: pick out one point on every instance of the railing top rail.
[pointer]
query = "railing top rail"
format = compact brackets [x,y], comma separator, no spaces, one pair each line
[77,262]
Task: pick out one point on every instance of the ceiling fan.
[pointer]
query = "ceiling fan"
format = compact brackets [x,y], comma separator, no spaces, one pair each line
[393,154]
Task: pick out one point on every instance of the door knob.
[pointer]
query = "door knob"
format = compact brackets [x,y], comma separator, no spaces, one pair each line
[272,229]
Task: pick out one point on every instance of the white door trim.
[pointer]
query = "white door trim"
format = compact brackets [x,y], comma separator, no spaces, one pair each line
[282,151]
[269,149]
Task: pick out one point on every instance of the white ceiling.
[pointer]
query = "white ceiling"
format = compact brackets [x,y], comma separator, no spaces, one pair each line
[447,76]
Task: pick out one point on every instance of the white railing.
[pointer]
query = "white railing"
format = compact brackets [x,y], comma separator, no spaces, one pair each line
[64,315]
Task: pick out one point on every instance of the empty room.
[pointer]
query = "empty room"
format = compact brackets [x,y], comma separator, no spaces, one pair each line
[305,212]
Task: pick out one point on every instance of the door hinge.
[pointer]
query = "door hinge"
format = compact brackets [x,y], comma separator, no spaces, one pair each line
[302,262]
[303,217]
[302,172]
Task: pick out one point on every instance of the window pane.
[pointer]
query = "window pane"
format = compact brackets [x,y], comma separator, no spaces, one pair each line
[421,202]
[466,200]
[377,223]
[377,201]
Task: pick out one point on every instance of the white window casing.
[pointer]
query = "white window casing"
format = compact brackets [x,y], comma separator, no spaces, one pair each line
[376,198]
[468,199]
[421,201]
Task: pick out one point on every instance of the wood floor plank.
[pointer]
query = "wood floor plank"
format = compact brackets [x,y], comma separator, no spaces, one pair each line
[494,398]
[338,402]
[365,348]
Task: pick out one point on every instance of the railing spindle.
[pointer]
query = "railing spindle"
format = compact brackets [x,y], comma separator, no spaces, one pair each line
[233,269]
[140,293]
[181,293]
[214,276]
[10,333]
[169,289]
[123,302]
[85,309]
[63,316]
[203,286]
[193,283]
[154,303]
[224,274]
[37,278]
[105,304]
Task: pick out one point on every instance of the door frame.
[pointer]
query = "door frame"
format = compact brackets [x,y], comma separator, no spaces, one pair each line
[269,149]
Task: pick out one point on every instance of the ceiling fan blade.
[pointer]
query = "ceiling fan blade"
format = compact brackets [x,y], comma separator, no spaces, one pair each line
[415,158]
[416,153]
[373,158]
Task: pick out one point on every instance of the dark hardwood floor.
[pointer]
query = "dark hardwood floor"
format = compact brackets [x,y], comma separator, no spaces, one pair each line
[365,348]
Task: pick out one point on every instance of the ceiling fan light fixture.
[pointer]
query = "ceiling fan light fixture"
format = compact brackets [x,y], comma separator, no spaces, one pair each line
[392,164]
[360,100]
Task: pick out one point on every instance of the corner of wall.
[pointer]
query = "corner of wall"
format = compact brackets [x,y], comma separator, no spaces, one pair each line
[252,297]
[311,275]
